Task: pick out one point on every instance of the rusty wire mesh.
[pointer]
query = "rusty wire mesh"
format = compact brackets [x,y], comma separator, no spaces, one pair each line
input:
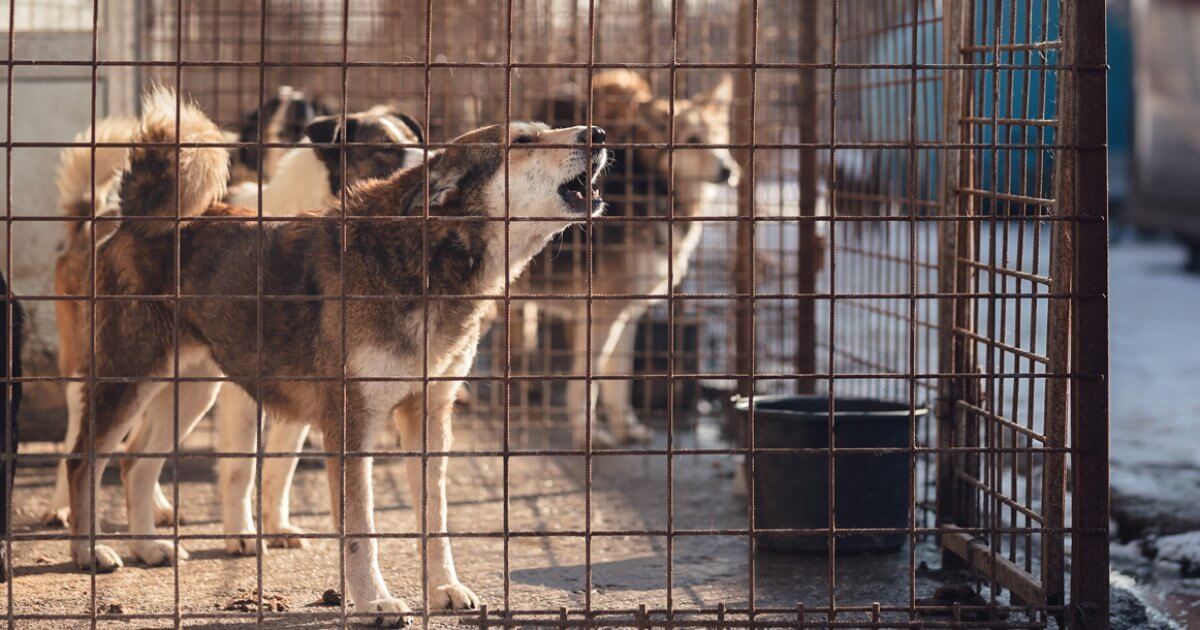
[920,219]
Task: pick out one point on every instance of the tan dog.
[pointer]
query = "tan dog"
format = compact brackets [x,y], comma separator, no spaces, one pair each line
[391,342]
[632,257]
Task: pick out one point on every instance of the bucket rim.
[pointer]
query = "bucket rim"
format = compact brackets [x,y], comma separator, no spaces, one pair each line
[742,405]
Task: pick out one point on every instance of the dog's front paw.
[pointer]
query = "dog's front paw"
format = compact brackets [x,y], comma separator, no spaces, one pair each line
[56,517]
[244,545]
[454,596]
[394,612]
[158,553]
[102,557]
[601,438]
[287,543]
[164,516]
[633,431]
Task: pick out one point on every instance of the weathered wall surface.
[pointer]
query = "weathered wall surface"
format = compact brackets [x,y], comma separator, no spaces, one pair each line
[51,104]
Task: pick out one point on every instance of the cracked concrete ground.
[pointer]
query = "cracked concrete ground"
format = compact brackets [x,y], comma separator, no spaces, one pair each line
[546,494]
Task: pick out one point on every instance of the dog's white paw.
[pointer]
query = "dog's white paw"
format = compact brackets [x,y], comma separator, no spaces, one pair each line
[391,611]
[287,543]
[243,545]
[158,553]
[102,557]
[56,517]
[164,516]
[454,596]
[634,431]
[601,438]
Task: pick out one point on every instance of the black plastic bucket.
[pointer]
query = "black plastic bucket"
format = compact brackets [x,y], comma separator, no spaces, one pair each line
[791,490]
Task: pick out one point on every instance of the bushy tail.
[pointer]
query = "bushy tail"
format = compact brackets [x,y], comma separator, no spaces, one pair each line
[75,190]
[148,186]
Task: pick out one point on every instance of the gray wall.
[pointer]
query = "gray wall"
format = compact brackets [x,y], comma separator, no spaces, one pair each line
[51,104]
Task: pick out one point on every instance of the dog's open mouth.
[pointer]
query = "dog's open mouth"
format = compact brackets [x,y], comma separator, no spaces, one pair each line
[575,193]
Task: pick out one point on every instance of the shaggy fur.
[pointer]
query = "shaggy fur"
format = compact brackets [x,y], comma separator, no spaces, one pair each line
[75,180]
[390,343]
[141,193]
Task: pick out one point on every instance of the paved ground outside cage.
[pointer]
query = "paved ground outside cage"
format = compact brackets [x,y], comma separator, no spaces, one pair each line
[1155,406]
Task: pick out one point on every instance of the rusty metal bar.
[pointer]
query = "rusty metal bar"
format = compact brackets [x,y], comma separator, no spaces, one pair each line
[977,554]
[1083,184]
[954,244]
[810,252]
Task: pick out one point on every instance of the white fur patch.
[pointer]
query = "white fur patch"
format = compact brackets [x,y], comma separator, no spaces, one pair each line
[376,362]
[301,183]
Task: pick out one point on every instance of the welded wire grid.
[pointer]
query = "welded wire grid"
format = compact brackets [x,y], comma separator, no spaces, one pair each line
[921,219]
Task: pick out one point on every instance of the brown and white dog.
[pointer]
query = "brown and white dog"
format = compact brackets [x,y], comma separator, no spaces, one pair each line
[283,119]
[304,179]
[417,323]
[632,257]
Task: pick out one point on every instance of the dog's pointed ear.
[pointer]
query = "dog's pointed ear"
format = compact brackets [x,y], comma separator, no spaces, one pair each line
[652,123]
[393,110]
[411,124]
[329,129]
[719,95]
[444,185]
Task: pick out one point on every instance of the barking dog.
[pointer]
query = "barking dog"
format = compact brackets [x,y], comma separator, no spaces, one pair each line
[391,341]
[633,257]
[304,179]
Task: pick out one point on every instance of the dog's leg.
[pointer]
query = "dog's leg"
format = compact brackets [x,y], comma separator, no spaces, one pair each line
[364,581]
[164,512]
[116,405]
[236,435]
[616,395]
[445,591]
[57,513]
[141,474]
[581,395]
[284,437]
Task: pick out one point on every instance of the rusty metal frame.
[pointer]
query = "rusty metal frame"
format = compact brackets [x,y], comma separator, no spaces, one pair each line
[919,313]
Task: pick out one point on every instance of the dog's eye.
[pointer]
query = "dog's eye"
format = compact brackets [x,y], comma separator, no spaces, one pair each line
[694,140]
[523,140]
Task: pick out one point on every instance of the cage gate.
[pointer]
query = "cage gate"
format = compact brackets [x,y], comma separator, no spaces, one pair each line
[914,211]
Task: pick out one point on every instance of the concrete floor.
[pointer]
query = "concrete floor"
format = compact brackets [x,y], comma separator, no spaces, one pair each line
[546,573]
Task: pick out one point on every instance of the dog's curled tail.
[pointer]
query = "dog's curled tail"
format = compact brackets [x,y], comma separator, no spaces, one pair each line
[148,186]
[75,184]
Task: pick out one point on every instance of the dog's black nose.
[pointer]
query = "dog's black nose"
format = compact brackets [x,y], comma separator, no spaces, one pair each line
[724,174]
[598,135]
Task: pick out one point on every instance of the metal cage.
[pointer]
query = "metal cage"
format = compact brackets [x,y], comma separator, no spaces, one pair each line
[921,218]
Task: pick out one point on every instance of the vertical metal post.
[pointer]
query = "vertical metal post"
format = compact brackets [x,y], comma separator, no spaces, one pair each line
[743,279]
[956,245]
[1058,351]
[810,246]
[1084,198]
